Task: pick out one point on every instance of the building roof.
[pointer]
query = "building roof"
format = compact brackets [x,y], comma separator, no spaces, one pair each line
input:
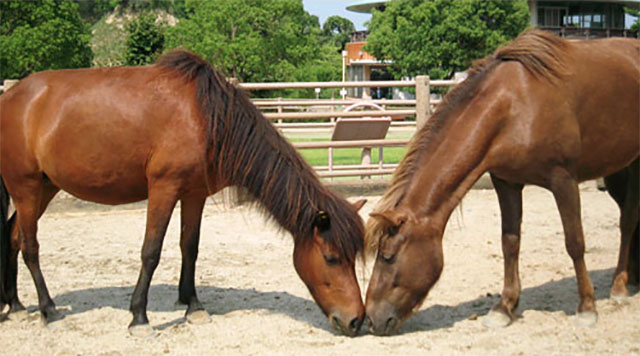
[366,6]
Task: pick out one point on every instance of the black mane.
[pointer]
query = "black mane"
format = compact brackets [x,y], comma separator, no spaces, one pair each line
[247,151]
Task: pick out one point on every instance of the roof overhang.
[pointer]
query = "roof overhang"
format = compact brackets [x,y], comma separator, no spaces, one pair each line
[634,3]
[365,6]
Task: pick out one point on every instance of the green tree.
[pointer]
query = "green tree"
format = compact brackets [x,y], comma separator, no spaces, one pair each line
[41,35]
[92,11]
[635,27]
[337,30]
[145,39]
[439,37]
[256,40]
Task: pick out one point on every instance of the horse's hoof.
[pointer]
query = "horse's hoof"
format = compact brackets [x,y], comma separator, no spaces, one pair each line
[199,317]
[142,331]
[619,297]
[20,315]
[57,325]
[51,316]
[496,319]
[586,319]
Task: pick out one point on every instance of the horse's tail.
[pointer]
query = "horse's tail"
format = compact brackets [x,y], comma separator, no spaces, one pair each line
[5,239]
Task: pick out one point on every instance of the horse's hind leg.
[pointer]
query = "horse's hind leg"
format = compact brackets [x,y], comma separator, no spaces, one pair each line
[623,187]
[567,195]
[162,200]
[634,258]
[191,216]
[510,199]
[30,196]
[16,308]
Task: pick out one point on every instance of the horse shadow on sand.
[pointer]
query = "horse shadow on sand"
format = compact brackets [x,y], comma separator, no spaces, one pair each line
[551,296]
[217,301]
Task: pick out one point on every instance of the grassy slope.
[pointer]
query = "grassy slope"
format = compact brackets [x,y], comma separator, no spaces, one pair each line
[108,42]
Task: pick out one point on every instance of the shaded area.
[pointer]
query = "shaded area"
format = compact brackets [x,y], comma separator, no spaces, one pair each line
[545,297]
[222,301]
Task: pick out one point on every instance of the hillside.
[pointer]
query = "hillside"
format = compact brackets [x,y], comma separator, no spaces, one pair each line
[109,35]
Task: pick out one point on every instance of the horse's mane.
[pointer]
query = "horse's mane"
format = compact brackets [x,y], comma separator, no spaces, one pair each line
[245,150]
[542,55]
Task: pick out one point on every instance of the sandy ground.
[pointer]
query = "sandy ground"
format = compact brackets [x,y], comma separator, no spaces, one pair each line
[259,306]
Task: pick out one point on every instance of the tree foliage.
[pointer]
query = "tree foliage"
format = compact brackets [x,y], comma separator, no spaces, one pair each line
[635,27]
[257,40]
[337,30]
[439,37]
[145,39]
[40,35]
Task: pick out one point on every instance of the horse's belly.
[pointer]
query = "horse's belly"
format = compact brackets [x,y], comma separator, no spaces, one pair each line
[102,187]
[96,175]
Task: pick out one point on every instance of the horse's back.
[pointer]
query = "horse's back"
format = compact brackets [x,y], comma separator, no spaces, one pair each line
[97,133]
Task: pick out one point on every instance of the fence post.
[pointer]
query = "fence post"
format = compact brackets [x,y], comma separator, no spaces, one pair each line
[423,100]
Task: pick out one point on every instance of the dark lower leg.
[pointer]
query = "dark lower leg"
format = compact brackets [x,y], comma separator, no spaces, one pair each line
[160,206]
[633,268]
[11,276]
[48,193]
[30,253]
[191,215]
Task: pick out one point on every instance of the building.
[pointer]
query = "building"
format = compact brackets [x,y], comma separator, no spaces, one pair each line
[359,65]
[570,19]
[582,19]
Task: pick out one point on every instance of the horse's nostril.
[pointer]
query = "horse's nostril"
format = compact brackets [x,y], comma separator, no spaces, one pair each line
[390,325]
[355,324]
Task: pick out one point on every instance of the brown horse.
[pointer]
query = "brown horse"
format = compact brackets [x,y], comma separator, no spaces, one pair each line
[541,111]
[169,132]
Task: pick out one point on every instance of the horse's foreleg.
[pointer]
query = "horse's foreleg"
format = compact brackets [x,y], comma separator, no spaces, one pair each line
[191,216]
[29,198]
[567,195]
[510,200]
[162,200]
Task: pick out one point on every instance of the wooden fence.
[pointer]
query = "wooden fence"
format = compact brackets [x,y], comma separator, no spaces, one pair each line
[328,111]
[402,113]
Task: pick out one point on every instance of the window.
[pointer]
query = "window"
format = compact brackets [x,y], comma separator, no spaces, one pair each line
[549,16]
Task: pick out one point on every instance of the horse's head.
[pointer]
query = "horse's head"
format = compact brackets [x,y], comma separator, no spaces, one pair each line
[329,271]
[408,263]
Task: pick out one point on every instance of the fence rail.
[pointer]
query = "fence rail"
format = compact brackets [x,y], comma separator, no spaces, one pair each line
[281,109]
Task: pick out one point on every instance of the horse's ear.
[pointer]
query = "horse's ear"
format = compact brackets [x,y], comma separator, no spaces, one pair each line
[392,218]
[359,204]
[322,221]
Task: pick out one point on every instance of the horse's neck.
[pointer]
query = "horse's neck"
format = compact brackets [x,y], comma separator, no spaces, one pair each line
[449,168]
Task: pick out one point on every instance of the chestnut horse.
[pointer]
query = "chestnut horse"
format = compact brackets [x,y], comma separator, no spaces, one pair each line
[168,132]
[542,111]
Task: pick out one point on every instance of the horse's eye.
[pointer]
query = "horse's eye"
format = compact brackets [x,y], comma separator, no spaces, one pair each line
[387,258]
[393,230]
[332,260]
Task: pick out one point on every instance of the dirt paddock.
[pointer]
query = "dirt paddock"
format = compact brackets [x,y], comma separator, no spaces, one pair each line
[259,306]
